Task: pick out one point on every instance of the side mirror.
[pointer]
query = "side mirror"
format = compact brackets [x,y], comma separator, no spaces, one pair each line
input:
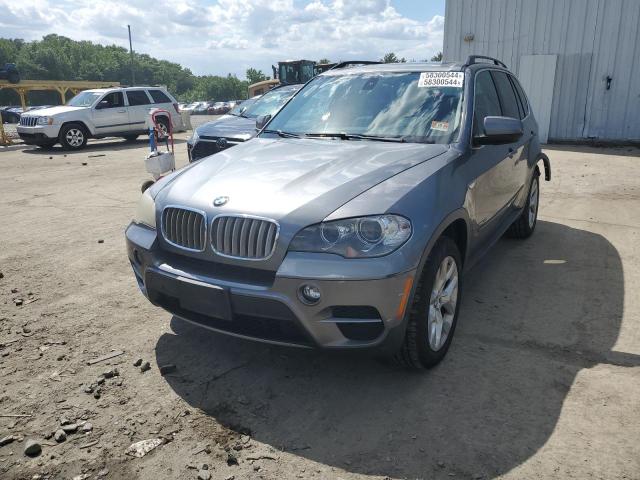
[261,121]
[102,104]
[499,131]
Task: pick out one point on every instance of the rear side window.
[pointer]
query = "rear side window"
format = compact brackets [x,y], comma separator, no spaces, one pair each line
[159,96]
[523,97]
[138,97]
[507,95]
[486,104]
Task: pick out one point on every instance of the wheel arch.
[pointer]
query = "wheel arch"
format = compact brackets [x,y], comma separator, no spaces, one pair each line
[77,122]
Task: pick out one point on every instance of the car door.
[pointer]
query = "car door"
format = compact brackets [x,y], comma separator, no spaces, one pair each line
[110,114]
[139,106]
[492,187]
[511,107]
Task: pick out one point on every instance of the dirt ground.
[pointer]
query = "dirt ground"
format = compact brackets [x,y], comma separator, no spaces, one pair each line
[542,379]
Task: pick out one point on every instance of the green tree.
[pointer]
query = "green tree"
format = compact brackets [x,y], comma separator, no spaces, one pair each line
[437,57]
[324,60]
[255,76]
[392,58]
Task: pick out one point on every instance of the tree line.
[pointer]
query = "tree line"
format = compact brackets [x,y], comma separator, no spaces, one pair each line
[60,58]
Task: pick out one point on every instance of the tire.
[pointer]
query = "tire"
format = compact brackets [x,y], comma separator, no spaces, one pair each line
[422,347]
[131,138]
[73,136]
[146,185]
[525,224]
[13,77]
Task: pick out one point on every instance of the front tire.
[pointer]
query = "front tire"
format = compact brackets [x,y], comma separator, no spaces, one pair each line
[73,136]
[434,312]
[524,226]
[13,77]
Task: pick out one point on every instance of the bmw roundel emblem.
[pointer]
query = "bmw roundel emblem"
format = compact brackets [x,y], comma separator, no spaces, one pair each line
[220,201]
[221,143]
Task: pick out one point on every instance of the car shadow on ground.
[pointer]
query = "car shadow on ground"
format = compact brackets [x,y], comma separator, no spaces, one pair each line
[534,314]
[94,146]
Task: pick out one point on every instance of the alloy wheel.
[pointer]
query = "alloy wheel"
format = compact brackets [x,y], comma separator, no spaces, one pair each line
[75,137]
[442,304]
[533,203]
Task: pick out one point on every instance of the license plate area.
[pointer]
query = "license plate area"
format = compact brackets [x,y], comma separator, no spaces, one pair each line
[191,295]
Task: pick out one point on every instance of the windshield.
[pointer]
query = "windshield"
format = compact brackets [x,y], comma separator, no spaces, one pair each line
[239,109]
[407,105]
[84,99]
[269,103]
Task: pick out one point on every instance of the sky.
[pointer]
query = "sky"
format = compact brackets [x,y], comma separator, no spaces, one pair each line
[228,36]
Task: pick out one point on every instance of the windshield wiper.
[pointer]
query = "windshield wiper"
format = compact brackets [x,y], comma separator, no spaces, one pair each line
[356,136]
[282,134]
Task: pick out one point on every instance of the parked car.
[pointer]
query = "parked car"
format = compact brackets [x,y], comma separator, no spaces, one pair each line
[98,113]
[10,114]
[201,108]
[239,125]
[219,108]
[10,73]
[349,220]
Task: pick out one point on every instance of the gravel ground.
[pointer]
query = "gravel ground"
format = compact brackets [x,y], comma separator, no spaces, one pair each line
[542,379]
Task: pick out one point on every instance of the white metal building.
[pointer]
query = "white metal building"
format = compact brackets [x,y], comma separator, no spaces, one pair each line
[578,60]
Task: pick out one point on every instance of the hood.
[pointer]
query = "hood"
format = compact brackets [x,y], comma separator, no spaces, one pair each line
[298,181]
[51,111]
[229,126]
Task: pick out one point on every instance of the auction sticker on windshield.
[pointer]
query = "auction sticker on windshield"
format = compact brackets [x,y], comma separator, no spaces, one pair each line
[441,79]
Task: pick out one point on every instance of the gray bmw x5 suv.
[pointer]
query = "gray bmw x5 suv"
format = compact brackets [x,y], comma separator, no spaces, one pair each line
[349,220]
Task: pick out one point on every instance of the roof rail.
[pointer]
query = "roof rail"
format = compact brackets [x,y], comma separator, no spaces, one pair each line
[354,62]
[472,59]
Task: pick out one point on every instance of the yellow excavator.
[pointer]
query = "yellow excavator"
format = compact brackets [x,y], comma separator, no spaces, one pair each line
[291,72]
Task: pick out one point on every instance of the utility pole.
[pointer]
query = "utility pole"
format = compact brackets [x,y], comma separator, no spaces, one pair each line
[133,75]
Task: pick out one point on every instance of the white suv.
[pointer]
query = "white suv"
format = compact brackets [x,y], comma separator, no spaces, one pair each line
[103,112]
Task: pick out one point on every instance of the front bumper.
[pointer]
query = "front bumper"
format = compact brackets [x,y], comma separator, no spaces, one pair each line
[266,306]
[38,135]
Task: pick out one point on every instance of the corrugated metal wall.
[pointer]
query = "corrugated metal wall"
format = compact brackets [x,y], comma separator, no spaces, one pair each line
[592,38]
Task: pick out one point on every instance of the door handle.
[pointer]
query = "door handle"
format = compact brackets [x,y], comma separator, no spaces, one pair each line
[122,111]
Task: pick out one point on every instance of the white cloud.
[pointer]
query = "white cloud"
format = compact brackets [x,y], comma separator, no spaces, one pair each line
[231,35]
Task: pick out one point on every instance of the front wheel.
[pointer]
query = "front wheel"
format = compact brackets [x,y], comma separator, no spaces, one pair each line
[73,137]
[525,224]
[434,312]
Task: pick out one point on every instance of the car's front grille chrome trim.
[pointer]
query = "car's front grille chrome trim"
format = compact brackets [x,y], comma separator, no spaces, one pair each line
[26,121]
[185,228]
[244,236]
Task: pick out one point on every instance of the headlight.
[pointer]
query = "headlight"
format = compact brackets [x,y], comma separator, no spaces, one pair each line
[45,120]
[146,210]
[361,237]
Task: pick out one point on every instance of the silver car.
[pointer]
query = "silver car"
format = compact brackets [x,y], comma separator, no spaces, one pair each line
[348,221]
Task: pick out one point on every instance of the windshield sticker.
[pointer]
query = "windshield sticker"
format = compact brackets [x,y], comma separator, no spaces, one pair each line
[441,126]
[441,79]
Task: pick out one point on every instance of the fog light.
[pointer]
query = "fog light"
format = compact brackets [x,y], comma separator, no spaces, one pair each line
[310,294]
